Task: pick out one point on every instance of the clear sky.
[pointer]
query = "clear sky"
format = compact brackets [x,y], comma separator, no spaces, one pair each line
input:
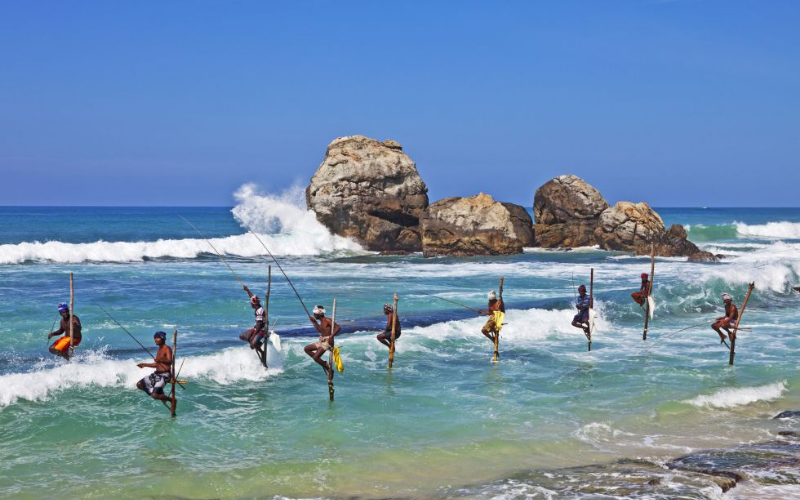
[678,103]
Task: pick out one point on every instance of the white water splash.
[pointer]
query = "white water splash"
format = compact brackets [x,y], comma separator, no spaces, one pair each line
[296,232]
[95,369]
[781,229]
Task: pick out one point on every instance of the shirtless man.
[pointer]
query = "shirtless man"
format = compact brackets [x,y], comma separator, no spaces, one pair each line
[61,346]
[323,326]
[728,321]
[154,383]
[385,337]
[256,335]
[581,320]
[640,297]
[490,328]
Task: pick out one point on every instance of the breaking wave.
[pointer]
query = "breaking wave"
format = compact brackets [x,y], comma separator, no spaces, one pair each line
[730,398]
[790,230]
[282,222]
[95,369]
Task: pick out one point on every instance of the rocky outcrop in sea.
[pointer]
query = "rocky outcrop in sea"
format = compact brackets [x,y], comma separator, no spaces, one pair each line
[369,191]
[569,212]
[478,225]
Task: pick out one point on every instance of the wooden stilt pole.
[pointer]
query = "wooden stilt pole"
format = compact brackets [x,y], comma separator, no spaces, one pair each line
[394,332]
[497,327]
[266,318]
[174,402]
[738,320]
[649,289]
[71,306]
[591,305]
[330,356]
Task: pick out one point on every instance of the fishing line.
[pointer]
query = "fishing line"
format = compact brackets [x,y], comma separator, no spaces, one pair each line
[673,333]
[279,266]
[215,250]
[126,331]
[452,302]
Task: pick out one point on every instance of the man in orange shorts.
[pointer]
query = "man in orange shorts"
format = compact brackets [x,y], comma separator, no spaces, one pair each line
[61,346]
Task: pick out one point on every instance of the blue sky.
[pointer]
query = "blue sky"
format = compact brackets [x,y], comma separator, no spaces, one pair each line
[678,103]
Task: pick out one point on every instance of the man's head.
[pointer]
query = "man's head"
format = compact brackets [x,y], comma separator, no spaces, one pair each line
[63,309]
[644,276]
[492,295]
[319,311]
[726,297]
[582,289]
[255,301]
[387,309]
[160,338]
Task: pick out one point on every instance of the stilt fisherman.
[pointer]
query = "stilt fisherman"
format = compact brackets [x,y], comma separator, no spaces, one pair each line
[385,337]
[327,331]
[728,321]
[583,303]
[640,297]
[154,383]
[255,336]
[490,328]
[61,346]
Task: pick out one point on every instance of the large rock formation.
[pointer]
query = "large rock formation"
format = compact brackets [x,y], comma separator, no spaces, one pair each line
[570,213]
[370,191]
[627,224]
[474,226]
[567,198]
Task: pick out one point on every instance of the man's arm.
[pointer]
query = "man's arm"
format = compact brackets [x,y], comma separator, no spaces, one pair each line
[249,293]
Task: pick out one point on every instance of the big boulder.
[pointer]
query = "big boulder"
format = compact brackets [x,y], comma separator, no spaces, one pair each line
[567,198]
[475,226]
[626,225]
[370,191]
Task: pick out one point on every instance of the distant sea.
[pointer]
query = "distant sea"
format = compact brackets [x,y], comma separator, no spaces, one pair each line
[550,420]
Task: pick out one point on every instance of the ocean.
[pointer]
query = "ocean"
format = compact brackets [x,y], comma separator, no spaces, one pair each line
[550,420]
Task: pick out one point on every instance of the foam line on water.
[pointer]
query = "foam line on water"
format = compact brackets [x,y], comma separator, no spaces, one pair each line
[731,398]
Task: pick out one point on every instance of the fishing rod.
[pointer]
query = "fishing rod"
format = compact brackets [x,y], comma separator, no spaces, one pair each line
[47,342]
[452,302]
[279,267]
[126,331]
[215,250]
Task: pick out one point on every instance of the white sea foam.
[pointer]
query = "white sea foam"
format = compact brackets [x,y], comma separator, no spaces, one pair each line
[95,369]
[730,398]
[284,225]
[770,229]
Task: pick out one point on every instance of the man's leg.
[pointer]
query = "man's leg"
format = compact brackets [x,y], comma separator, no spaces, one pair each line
[383,340]
[318,358]
[716,326]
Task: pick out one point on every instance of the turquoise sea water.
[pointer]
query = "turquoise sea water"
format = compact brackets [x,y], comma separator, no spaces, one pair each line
[444,422]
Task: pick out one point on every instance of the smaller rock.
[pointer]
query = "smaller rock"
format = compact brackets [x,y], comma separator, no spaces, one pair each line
[474,226]
[787,414]
[702,256]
